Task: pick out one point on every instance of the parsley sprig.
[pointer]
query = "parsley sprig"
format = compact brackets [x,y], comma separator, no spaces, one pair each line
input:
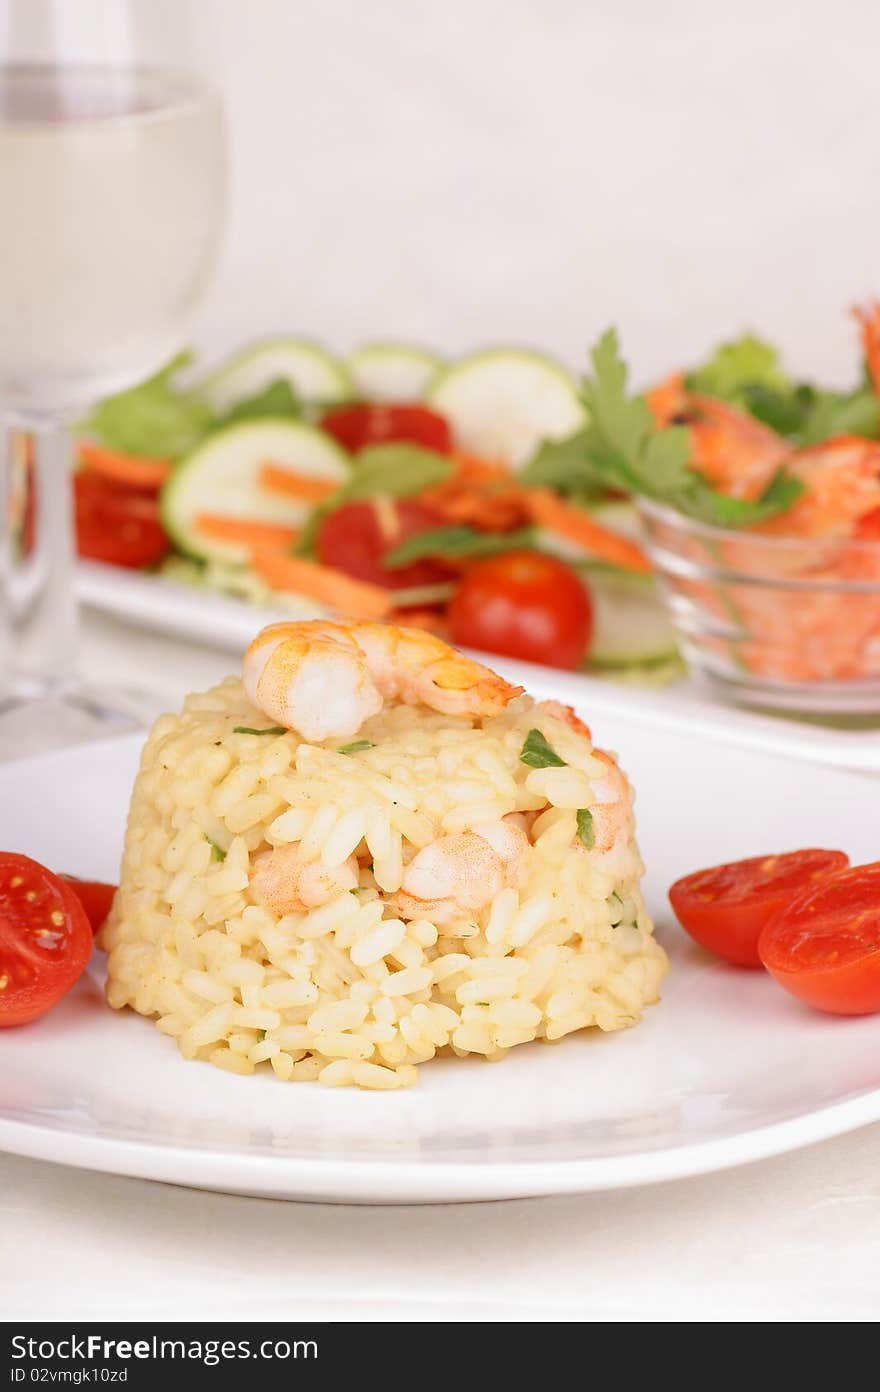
[621,448]
[458,540]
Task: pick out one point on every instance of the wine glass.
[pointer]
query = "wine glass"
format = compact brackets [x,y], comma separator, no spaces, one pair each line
[112,189]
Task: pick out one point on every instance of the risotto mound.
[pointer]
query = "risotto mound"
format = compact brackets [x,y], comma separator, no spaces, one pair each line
[442,884]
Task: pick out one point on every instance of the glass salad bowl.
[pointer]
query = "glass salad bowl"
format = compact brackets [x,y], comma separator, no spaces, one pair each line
[781,623]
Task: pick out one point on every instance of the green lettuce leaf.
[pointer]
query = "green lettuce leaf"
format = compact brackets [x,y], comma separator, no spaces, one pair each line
[390,471]
[277,400]
[395,471]
[785,411]
[737,365]
[155,418]
[840,413]
[747,373]
[806,415]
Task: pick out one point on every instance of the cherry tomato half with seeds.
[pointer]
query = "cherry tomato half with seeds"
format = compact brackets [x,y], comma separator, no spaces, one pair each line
[824,945]
[523,604]
[116,523]
[357,536]
[359,426]
[726,907]
[45,939]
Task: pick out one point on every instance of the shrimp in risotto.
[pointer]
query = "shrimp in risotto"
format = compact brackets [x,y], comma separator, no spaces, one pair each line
[325,679]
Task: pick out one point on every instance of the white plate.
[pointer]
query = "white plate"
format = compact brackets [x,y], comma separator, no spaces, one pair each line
[726,1069]
[184,611]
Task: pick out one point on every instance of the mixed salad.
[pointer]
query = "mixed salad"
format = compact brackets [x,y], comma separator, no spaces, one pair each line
[490,498]
[387,484]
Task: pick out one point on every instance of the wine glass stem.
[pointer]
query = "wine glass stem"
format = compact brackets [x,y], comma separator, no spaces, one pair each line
[39,606]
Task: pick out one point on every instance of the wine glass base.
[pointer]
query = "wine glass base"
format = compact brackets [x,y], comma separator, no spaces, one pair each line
[33,723]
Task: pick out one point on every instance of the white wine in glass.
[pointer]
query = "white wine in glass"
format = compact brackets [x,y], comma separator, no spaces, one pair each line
[112,189]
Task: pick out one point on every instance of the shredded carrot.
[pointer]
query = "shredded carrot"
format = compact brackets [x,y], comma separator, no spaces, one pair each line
[480,493]
[249,534]
[133,469]
[356,598]
[279,479]
[473,468]
[488,512]
[574,524]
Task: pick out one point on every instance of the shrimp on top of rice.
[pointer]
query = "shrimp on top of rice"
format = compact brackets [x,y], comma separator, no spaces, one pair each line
[372,851]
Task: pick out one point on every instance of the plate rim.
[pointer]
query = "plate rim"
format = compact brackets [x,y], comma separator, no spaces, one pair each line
[404,1182]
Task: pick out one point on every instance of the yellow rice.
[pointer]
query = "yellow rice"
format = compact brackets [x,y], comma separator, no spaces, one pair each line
[348,993]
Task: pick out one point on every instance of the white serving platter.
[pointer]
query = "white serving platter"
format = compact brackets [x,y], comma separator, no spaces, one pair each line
[726,1069]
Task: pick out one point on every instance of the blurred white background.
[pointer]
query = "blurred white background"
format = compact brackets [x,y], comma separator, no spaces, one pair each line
[463,171]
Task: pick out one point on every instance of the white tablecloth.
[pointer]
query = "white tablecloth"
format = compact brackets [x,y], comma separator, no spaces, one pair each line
[797,1238]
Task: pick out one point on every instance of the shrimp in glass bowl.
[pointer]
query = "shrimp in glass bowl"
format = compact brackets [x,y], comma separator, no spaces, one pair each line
[785,614]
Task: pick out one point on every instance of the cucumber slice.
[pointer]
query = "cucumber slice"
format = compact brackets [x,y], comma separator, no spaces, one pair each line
[631,622]
[392,371]
[312,372]
[222,476]
[503,402]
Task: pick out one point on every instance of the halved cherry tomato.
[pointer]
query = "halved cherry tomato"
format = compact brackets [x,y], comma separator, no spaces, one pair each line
[45,939]
[95,897]
[525,605]
[356,536]
[725,908]
[116,523]
[824,946]
[357,427]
